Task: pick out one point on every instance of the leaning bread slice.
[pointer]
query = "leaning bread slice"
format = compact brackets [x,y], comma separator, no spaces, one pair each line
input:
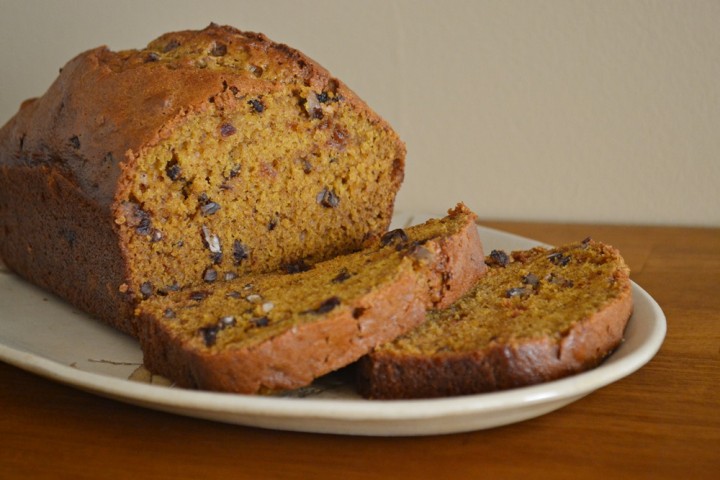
[270,332]
[536,315]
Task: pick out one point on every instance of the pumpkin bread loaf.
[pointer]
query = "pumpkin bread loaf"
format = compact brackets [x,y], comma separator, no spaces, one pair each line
[269,332]
[205,155]
[536,315]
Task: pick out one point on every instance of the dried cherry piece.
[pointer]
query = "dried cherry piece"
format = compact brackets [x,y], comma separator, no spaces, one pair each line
[257,105]
[240,252]
[343,275]
[227,129]
[392,236]
[219,50]
[498,258]
[325,307]
[327,198]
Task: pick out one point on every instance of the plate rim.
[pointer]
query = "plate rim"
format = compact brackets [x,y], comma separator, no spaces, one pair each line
[347,415]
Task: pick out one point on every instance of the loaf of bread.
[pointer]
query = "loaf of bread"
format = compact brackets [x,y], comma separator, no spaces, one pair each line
[204,156]
[270,332]
[536,315]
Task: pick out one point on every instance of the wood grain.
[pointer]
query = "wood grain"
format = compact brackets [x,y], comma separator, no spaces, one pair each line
[661,422]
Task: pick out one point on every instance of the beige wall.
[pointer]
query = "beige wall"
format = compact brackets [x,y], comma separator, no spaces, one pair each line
[603,111]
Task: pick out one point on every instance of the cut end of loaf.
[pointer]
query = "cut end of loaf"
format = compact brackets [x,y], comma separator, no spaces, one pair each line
[281,167]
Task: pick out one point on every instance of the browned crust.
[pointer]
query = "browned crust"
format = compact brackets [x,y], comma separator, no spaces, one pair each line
[499,366]
[296,357]
[59,240]
[461,263]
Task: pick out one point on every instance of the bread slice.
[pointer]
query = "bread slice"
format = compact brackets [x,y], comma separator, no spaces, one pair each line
[537,315]
[206,153]
[271,332]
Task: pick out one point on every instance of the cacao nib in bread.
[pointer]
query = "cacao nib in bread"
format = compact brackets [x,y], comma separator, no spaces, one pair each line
[207,154]
[537,315]
[268,332]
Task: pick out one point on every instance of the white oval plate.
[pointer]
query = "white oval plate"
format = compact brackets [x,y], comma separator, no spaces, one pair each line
[42,334]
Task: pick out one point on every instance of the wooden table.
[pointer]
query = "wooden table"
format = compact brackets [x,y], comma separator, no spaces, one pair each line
[661,422]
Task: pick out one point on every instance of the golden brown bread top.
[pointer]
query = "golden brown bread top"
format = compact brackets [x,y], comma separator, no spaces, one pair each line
[106,107]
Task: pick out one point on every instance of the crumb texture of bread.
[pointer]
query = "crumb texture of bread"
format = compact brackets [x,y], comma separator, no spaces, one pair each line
[537,315]
[270,332]
[207,154]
